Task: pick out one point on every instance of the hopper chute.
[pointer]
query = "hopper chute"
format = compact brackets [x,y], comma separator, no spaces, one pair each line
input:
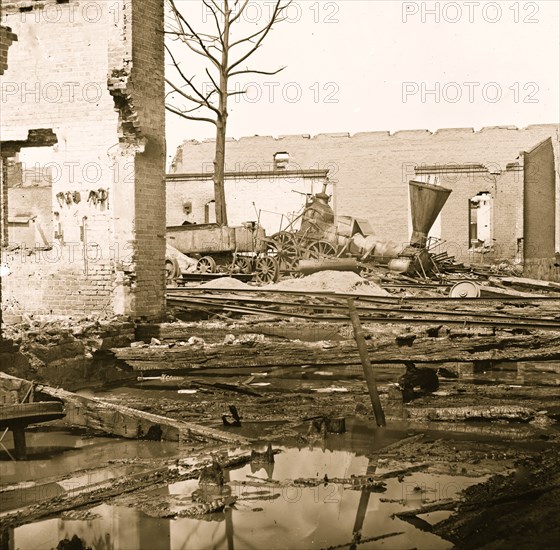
[426,202]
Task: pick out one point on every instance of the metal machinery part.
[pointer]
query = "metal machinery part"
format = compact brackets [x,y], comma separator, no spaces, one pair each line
[266,269]
[426,202]
[242,264]
[172,269]
[206,264]
[465,289]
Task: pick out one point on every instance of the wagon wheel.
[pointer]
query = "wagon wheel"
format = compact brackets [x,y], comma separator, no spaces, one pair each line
[172,269]
[266,269]
[292,269]
[206,264]
[319,249]
[284,238]
[284,248]
[242,264]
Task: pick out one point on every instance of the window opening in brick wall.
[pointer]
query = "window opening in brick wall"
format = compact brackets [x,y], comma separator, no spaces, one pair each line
[480,220]
[31,223]
[281,160]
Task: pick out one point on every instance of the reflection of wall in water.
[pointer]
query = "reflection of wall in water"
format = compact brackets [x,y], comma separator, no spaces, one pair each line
[118,527]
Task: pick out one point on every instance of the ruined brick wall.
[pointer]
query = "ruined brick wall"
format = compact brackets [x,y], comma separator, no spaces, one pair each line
[507,213]
[542,260]
[539,212]
[370,171]
[61,76]
[7,37]
[273,199]
[148,92]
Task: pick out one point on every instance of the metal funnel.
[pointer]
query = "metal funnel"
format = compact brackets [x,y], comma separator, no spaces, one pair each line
[426,202]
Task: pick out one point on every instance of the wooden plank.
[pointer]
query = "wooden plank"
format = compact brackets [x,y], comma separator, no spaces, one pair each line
[530,283]
[510,413]
[115,419]
[384,349]
[366,365]
[490,291]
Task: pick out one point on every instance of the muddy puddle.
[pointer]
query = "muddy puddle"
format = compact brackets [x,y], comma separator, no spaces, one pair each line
[57,454]
[271,509]
[303,499]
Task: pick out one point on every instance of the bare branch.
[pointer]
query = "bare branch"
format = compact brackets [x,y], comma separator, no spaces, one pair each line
[220,31]
[216,5]
[241,10]
[202,102]
[247,38]
[193,109]
[194,35]
[247,71]
[213,81]
[172,109]
[278,8]
[190,83]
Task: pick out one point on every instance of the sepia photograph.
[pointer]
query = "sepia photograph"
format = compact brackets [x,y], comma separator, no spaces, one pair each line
[279,275]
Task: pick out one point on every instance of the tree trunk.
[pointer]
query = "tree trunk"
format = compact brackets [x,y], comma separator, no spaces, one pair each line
[219,174]
[221,126]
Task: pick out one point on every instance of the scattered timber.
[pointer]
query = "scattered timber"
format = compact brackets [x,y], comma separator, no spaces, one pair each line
[539,346]
[496,312]
[447,504]
[369,373]
[102,491]
[535,284]
[115,419]
[510,413]
[497,291]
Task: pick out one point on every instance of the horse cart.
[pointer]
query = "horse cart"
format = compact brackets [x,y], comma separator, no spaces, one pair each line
[221,248]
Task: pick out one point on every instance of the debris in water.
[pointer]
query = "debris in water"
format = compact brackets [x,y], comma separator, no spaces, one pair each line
[330,389]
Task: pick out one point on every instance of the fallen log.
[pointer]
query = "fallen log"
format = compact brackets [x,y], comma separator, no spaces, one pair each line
[354,543]
[510,413]
[533,347]
[530,283]
[491,291]
[102,491]
[448,504]
[115,419]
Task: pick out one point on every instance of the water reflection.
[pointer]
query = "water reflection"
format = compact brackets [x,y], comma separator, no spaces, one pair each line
[271,516]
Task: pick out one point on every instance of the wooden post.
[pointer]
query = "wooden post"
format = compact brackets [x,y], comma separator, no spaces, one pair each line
[20,448]
[368,369]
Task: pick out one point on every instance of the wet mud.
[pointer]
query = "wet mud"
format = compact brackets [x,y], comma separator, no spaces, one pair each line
[433,478]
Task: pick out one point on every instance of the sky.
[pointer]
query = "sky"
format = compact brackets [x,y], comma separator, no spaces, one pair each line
[387,65]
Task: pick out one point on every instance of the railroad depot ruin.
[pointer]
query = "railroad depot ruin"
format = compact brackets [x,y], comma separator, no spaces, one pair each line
[367,353]
[82,101]
[515,170]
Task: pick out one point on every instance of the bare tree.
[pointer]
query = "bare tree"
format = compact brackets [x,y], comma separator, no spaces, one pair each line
[224,57]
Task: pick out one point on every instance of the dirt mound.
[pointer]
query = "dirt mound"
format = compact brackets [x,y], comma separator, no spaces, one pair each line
[224,283]
[346,282]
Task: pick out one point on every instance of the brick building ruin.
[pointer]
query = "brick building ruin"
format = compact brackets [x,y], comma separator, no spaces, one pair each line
[505,184]
[82,107]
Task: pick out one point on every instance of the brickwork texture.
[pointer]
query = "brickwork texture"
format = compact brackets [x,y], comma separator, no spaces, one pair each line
[93,73]
[370,172]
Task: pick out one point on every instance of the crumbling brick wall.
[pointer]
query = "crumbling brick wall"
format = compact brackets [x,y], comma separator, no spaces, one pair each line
[539,213]
[93,73]
[272,198]
[506,190]
[7,37]
[370,170]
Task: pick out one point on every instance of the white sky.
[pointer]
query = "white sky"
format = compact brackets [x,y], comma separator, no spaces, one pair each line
[349,60]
